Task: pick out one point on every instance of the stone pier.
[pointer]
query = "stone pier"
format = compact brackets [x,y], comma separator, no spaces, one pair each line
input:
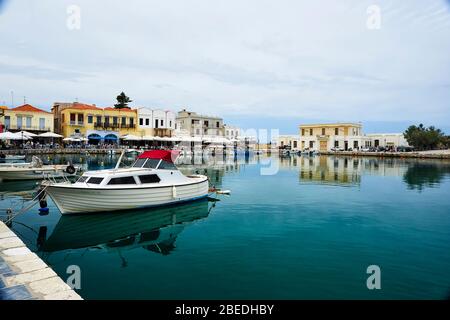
[24,276]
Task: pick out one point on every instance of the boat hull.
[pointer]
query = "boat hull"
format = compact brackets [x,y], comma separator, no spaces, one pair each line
[88,200]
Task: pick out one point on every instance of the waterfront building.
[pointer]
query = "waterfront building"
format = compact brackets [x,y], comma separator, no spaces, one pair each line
[288,141]
[156,122]
[232,132]
[2,114]
[325,137]
[197,125]
[387,140]
[94,123]
[25,117]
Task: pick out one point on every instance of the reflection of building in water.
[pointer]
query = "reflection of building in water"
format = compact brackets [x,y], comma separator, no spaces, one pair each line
[349,170]
[330,170]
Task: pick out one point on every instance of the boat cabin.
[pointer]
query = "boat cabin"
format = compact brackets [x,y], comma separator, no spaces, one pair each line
[151,168]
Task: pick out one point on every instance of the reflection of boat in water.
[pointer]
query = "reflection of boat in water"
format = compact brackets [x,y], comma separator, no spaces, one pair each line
[154,230]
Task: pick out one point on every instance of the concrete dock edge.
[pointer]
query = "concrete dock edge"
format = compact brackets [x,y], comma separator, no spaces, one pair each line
[24,276]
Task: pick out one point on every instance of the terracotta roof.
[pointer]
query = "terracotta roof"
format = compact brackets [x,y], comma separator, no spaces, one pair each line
[122,110]
[28,108]
[3,107]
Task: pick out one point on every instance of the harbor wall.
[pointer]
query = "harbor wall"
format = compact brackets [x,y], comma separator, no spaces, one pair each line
[24,276]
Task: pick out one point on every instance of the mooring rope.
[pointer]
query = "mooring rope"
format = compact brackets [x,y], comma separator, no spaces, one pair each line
[26,208]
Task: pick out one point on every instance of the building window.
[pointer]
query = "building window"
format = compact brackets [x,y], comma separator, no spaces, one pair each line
[303,132]
[206,123]
[7,122]
[115,120]
[106,120]
[80,118]
[141,121]
[217,124]
[170,124]
[124,121]
[147,122]
[311,144]
[90,119]
[295,144]
[323,131]
[156,123]
[310,132]
[72,118]
[99,120]
[162,123]
[28,122]
[41,123]
[131,122]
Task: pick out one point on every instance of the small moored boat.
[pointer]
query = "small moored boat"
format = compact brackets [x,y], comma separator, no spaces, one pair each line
[10,157]
[35,170]
[153,180]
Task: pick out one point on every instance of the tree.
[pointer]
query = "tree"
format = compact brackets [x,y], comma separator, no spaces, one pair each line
[122,101]
[425,138]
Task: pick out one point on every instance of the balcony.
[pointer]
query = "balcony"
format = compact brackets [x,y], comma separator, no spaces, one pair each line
[74,123]
[26,128]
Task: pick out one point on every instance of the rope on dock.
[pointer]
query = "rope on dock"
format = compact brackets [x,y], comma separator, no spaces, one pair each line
[25,209]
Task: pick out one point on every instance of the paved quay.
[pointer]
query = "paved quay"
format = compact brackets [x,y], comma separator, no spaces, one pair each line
[24,276]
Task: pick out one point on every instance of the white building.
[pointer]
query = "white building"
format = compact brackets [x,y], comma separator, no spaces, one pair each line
[156,122]
[232,132]
[197,125]
[290,141]
[387,140]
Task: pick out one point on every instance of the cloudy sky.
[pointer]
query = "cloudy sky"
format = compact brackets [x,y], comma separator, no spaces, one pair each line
[257,63]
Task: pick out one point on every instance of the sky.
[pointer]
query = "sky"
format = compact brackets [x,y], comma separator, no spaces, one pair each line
[256,63]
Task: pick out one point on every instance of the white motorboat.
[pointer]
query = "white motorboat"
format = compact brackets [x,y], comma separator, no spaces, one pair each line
[10,157]
[35,170]
[153,180]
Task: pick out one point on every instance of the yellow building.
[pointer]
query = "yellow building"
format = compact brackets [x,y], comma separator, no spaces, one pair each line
[325,137]
[26,117]
[94,123]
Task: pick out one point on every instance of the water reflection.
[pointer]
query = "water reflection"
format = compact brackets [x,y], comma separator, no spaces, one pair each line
[349,171]
[154,230]
[331,170]
[425,175]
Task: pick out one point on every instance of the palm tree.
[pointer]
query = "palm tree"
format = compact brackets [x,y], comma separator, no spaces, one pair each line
[122,101]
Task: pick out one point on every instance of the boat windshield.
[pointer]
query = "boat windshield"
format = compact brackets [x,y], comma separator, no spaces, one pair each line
[139,163]
[146,163]
[151,163]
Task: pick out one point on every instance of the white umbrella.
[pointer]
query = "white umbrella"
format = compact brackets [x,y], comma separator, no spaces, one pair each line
[130,137]
[148,138]
[50,135]
[28,134]
[12,136]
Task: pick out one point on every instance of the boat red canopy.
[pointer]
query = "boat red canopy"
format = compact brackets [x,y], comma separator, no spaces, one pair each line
[166,155]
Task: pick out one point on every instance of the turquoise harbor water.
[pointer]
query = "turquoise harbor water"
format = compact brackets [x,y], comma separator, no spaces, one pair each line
[309,231]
